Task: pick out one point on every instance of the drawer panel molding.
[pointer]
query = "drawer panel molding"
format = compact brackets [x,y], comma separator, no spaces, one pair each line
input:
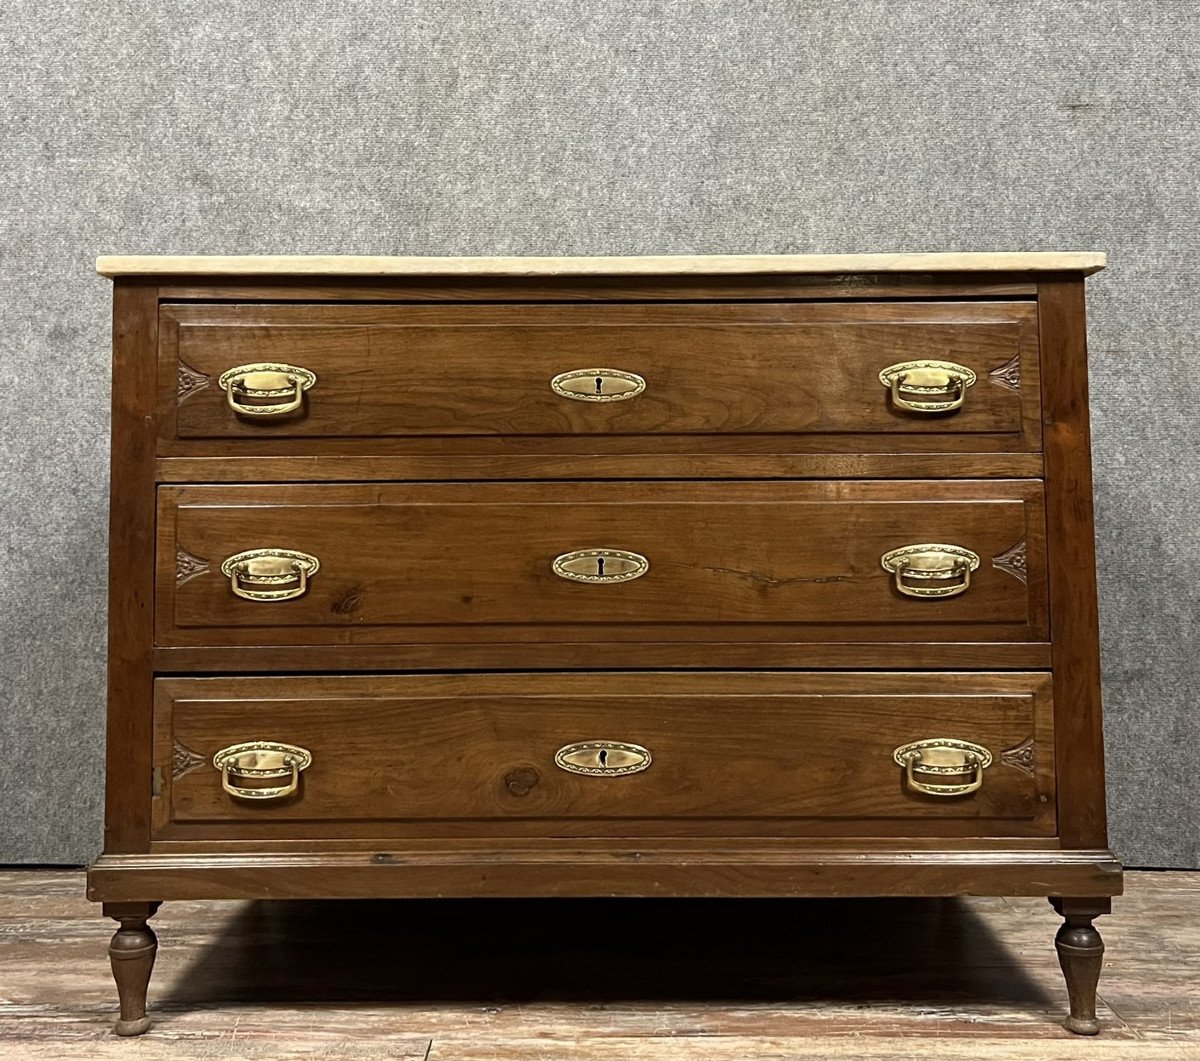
[666,561]
[972,751]
[811,369]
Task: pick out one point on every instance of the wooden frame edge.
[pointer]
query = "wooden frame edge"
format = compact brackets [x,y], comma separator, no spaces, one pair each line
[1070,537]
[623,870]
[131,580]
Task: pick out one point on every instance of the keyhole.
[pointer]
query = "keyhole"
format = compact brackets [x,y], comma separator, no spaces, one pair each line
[600,566]
[603,756]
[599,384]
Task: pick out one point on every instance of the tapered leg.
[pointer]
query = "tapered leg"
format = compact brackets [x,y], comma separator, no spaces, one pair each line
[1081,955]
[131,953]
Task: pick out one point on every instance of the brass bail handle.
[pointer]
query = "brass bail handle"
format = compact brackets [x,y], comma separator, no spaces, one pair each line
[266,388]
[943,757]
[245,571]
[262,760]
[279,792]
[928,386]
[269,574]
[931,569]
[975,784]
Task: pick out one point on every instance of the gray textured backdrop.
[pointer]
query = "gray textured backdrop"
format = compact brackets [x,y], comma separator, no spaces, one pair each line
[602,126]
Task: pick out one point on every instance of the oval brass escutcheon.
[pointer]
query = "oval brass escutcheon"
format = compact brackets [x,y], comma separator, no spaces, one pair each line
[600,565]
[598,385]
[602,758]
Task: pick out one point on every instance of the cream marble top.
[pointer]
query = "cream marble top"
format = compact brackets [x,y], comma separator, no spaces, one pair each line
[680,264]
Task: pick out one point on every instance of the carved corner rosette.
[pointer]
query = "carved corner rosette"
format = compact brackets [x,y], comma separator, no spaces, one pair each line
[1013,561]
[188,566]
[184,761]
[1021,757]
[1009,374]
[189,382]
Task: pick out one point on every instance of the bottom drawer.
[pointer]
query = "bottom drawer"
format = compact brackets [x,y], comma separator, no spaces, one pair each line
[604,754]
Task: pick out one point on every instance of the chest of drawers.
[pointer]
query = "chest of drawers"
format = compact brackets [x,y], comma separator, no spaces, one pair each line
[715,576]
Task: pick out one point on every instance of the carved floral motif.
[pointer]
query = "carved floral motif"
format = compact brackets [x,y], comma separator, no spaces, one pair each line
[184,761]
[188,566]
[1008,375]
[1013,562]
[190,381]
[1022,757]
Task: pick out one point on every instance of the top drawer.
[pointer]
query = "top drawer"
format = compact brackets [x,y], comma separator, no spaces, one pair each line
[356,371]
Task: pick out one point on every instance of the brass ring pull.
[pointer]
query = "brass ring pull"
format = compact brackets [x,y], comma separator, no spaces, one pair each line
[598,385]
[931,570]
[265,388]
[927,386]
[262,760]
[269,574]
[943,757]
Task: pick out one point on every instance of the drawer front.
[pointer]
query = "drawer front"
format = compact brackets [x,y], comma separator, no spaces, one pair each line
[690,752]
[411,371]
[618,561]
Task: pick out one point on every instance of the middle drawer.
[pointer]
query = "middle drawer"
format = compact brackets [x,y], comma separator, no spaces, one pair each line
[390,564]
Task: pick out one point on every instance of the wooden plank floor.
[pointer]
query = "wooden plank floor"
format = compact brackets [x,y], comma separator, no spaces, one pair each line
[975,980]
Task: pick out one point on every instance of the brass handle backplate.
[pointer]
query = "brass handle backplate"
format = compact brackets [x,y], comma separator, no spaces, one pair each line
[261,760]
[927,386]
[942,757]
[602,758]
[269,574]
[265,388]
[598,385]
[600,565]
[931,570]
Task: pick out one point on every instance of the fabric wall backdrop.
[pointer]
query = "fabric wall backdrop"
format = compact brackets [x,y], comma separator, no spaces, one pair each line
[605,126]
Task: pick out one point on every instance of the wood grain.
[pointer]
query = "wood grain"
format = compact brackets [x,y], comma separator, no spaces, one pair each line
[130,581]
[723,747]
[131,954]
[726,287]
[598,467]
[440,561]
[780,1048]
[807,368]
[963,979]
[631,868]
[1072,538]
[773,472]
[582,654]
[648,265]
[695,449]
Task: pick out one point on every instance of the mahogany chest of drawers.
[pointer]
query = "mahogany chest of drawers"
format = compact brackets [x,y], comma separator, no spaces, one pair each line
[715,576]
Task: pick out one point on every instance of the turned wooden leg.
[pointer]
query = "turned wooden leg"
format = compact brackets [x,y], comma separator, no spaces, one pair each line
[131,953]
[1081,954]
